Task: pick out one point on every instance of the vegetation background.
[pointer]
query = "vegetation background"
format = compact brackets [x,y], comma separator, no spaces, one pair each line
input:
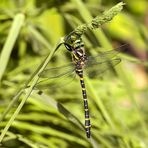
[29,31]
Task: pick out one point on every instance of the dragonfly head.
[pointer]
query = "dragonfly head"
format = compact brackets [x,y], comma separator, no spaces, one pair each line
[68,47]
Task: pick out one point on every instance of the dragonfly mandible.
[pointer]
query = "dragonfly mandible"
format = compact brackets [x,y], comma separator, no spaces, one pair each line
[80,63]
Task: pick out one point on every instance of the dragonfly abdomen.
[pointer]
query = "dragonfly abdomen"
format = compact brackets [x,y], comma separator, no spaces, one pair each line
[86,109]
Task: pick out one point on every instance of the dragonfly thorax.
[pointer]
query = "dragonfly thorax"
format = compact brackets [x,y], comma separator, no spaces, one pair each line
[78,54]
[79,57]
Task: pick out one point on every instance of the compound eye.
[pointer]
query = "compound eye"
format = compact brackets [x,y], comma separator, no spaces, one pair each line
[68,47]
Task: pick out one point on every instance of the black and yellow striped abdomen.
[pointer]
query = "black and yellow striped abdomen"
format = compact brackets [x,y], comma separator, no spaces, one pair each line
[86,109]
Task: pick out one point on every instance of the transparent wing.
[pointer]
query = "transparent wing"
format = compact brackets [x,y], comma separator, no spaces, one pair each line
[105,55]
[93,69]
[56,83]
[64,74]
[56,72]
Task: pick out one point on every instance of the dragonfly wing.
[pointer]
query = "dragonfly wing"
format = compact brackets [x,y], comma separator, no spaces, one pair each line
[56,83]
[99,67]
[105,55]
[56,72]
[64,74]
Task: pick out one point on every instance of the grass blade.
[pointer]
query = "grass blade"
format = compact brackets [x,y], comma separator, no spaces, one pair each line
[9,44]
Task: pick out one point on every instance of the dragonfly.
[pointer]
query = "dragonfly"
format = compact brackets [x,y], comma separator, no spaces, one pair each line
[82,63]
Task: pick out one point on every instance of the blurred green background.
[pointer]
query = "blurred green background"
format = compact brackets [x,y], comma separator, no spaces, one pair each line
[29,31]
